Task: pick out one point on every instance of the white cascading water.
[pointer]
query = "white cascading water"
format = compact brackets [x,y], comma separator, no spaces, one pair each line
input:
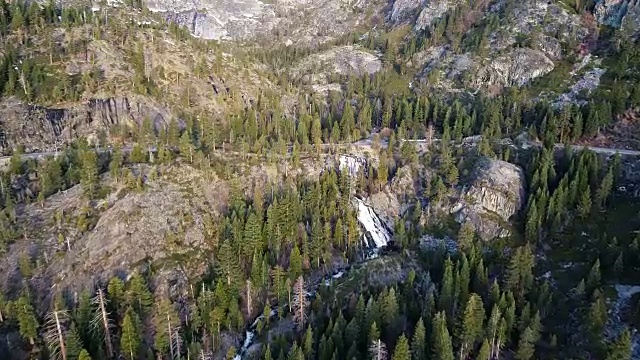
[352,164]
[373,226]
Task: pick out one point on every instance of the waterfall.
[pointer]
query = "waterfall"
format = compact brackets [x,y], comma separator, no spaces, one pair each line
[375,229]
[352,164]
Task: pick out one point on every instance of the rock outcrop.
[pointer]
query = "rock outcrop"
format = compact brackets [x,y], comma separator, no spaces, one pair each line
[515,69]
[619,13]
[403,9]
[431,11]
[393,200]
[344,60]
[493,194]
[42,129]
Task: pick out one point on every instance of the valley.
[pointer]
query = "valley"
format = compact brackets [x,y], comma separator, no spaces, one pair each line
[334,179]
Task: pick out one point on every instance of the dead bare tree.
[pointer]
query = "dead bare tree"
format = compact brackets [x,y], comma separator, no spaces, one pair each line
[378,350]
[175,340]
[288,285]
[249,303]
[2,301]
[102,321]
[300,303]
[55,333]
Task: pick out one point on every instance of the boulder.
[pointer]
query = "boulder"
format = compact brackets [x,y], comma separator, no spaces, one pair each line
[494,193]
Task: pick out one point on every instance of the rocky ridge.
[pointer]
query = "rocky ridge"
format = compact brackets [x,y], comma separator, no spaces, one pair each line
[288,21]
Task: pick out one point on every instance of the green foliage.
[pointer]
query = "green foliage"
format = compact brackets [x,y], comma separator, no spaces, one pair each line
[442,348]
[620,349]
[84,355]
[27,321]
[130,339]
[89,173]
[402,350]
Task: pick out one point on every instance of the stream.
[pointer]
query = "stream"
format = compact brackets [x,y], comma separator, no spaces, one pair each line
[375,236]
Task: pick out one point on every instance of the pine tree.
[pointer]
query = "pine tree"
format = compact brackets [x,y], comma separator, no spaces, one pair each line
[494,331]
[597,318]
[442,349]
[364,116]
[27,321]
[484,353]
[621,347]
[185,146]
[605,188]
[533,223]
[130,339]
[419,341]
[116,292]
[471,325]
[73,343]
[402,350]
[593,279]
[383,172]
[347,122]
[84,355]
[252,239]
[466,235]
[307,343]
[446,289]
[138,295]
[526,345]
[137,155]
[166,323]
[295,263]
[584,204]
[89,174]
[618,265]
[115,165]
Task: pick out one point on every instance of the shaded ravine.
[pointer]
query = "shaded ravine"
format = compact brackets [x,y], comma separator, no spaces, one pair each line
[375,237]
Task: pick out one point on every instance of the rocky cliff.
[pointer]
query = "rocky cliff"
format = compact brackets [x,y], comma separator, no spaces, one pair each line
[44,129]
[494,193]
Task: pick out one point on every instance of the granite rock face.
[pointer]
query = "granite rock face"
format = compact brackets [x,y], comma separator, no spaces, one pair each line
[516,68]
[619,13]
[403,10]
[283,21]
[432,10]
[343,60]
[44,129]
[494,193]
